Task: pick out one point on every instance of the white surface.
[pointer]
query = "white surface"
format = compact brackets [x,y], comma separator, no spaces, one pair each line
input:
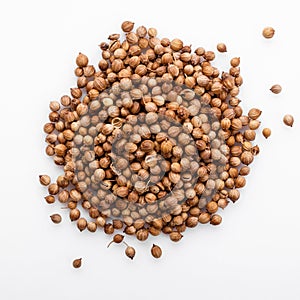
[253,255]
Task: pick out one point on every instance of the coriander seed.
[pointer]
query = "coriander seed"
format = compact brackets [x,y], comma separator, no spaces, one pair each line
[276,89]
[44,180]
[129,251]
[50,199]
[268,32]
[127,26]
[74,214]
[288,120]
[221,47]
[118,238]
[82,60]
[56,218]
[77,263]
[81,224]
[156,251]
[254,113]
[235,62]
[54,106]
[216,220]
[266,132]
[175,236]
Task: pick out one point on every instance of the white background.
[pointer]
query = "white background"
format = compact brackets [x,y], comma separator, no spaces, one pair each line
[253,255]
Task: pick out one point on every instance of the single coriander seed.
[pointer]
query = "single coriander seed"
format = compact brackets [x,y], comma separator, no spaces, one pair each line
[276,89]
[77,263]
[216,220]
[156,251]
[235,62]
[81,224]
[266,132]
[288,120]
[127,26]
[222,47]
[118,238]
[56,218]
[45,180]
[50,199]
[268,32]
[82,60]
[254,113]
[129,251]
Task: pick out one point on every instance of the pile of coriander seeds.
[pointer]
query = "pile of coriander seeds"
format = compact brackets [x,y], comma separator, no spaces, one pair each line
[152,140]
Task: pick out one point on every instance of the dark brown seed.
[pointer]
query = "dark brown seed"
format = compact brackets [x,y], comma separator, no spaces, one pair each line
[156,251]
[77,263]
[56,218]
[118,238]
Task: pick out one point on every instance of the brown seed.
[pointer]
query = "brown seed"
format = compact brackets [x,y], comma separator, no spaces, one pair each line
[204,218]
[250,135]
[92,226]
[247,158]
[118,238]
[49,128]
[54,106]
[266,132]
[176,44]
[77,263]
[212,207]
[221,47]
[82,60]
[81,224]
[288,120]
[235,62]
[130,252]
[234,195]
[276,89]
[63,196]
[191,222]
[100,221]
[74,214]
[268,32]
[127,26]
[56,218]
[156,251]
[50,199]
[254,113]
[175,236]
[109,229]
[216,220]
[142,234]
[254,124]
[53,189]
[44,180]
[114,36]
[152,32]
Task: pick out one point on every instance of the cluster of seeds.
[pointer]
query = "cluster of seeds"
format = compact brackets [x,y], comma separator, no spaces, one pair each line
[151,141]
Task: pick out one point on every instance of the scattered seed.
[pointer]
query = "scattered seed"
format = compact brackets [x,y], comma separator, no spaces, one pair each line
[156,251]
[77,263]
[276,89]
[288,120]
[56,218]
[118,238]
[268,32]
[221,47]
[266,132]
[129,251]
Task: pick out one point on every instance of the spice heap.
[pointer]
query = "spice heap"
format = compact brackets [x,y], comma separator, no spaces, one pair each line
[153,140]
